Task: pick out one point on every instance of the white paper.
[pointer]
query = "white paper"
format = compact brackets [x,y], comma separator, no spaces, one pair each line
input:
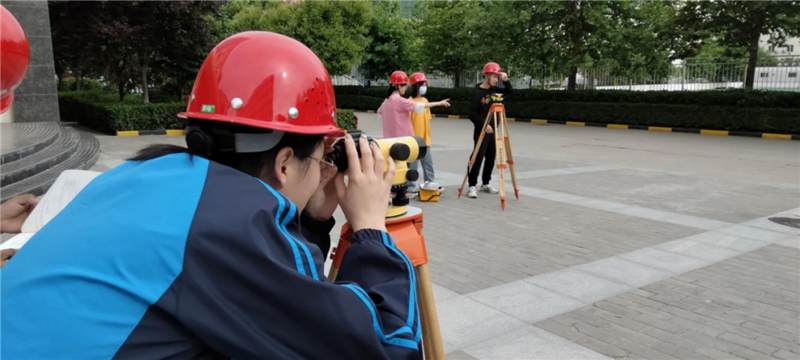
[16,242]
[65,188]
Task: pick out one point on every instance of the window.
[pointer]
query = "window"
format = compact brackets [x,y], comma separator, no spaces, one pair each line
[763,75]
[789,48]
[793,75]
[772,48]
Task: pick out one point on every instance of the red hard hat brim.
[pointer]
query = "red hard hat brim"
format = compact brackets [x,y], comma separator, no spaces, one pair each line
[5,102]
[285,127]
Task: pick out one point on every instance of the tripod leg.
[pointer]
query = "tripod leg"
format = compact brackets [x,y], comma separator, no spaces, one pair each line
[474,155]
[431,334]
[510,157]
[332,274]
[500,159]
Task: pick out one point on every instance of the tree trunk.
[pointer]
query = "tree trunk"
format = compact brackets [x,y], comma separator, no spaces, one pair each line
[121,90]
[751,63]
[575,30]
[121,81]
[78,78]
[457,78]
[144,59]
[60,73]
[573,77]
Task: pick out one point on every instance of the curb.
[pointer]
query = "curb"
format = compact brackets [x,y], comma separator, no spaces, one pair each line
[648,128]
[151,132]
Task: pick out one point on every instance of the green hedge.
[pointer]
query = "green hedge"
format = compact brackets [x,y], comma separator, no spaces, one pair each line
[739,98]
[88,84]
[724,110]
[94,110]
[772,120]
[101,111]
[346,119]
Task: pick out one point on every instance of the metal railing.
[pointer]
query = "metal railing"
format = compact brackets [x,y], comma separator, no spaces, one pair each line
[773,73]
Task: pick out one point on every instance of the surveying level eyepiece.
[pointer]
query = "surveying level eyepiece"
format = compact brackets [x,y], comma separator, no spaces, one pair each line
[402,150]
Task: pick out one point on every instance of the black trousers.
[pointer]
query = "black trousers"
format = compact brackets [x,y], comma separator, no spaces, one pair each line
[486,157]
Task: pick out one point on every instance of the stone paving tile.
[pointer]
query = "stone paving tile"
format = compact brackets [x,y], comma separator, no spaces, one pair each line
[459,355]
[525,301]
[532,237]
[688,195]
[466,322]
[530,343]
[727,310]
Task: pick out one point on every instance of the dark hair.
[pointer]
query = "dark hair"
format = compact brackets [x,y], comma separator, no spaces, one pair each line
[415,89]
[392,89]
[253,164]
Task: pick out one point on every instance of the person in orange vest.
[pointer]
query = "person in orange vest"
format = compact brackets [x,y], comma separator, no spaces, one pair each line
[422,128]
[215,250]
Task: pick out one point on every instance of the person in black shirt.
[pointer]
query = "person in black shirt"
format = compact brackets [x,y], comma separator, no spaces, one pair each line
[478,110]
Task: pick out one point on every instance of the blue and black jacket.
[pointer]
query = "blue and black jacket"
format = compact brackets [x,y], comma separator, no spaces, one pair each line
[179,257]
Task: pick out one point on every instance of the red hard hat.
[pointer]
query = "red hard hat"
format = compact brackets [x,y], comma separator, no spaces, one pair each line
[398,78]
[492,68]
[14,57]
[418,77]
[264,80]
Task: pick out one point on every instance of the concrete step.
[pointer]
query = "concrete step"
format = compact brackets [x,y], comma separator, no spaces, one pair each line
[18,140]
[85,155]
[56,153]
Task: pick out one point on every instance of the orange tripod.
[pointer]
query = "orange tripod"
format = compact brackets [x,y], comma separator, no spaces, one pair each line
[504,158]
[406,230]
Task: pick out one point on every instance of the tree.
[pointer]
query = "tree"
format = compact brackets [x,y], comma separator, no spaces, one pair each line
[335,30]
[69,31]
[740,24]
[179,42]
[391,40]
[174,32]
[567,35]
[504,36]
[712,51]
[448,40]
[128,39]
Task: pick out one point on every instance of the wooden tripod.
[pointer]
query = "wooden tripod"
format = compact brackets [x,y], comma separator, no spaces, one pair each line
[504,158]
[406,230]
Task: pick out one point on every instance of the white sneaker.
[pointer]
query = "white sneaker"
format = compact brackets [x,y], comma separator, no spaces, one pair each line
[430,185]
[472,192]
[489,189]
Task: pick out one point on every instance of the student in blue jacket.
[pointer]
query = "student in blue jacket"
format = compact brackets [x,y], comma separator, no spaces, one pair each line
[216,251]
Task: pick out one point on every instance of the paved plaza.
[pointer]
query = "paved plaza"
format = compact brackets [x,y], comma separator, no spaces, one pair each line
[624,244]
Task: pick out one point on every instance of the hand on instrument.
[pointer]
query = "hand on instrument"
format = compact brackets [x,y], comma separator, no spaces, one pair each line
[364,200]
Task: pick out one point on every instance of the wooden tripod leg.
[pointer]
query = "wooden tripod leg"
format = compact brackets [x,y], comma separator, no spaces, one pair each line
[332,274]
[500,159]
[474,155]
[510,156]
[431,334]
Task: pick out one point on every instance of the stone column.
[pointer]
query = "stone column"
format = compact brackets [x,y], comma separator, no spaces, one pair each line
[36,98]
